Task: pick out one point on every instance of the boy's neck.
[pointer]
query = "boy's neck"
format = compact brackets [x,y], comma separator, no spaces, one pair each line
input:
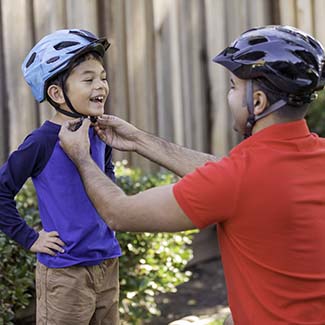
[59,118]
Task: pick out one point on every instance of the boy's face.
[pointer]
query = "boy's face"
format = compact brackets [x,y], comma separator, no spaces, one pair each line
[87,88]
[237,103]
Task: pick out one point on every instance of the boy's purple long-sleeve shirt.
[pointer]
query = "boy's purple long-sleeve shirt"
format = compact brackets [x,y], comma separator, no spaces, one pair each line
[63,202]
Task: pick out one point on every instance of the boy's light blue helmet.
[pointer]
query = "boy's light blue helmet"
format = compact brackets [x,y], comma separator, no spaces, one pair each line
[55,53]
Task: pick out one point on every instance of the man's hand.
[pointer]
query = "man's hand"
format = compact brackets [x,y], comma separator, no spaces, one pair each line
[118,133]
[75,143]
[48,243]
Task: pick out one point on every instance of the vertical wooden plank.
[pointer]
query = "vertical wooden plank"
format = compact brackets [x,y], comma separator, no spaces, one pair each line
[237,18]
[288,13]
[165,75]
[304,16]
[259,13]
[4,130]
[82,14]
[49,16]
[198,65]
[176,59]
[319,10]
[193,62]
[217,76]
[185,26]
[141,71]
[113,25]
[237,22]
[17,42]
[168,71]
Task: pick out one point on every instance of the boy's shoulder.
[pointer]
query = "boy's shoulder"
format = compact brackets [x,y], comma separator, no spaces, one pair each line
[45,134]
[41,141]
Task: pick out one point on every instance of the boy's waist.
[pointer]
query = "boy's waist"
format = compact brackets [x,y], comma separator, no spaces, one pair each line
[89,258]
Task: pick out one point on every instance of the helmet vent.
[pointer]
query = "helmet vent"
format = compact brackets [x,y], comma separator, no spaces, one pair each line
[253,56]
[257,40]
[313,43]
[31,59]
[230,51]
[84,34]
[307,58]
[63,45]
[51,60]
[73,51]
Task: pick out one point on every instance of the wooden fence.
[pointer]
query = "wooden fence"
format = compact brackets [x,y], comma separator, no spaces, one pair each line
[159,65]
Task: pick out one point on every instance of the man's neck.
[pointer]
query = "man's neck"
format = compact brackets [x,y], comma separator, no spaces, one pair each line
[270,120]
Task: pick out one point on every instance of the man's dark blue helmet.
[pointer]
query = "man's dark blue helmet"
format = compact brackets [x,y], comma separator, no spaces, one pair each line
[290,60]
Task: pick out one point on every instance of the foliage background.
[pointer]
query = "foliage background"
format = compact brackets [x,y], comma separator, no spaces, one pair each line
[316,115]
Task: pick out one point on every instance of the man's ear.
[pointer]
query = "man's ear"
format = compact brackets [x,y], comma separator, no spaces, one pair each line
[56,94]
[260,102]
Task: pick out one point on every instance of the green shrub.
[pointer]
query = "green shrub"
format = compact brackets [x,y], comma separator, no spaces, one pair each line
[16,264]
[316,115]
[151,263]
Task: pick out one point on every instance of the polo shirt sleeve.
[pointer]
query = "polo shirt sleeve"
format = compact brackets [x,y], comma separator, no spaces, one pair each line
[209,195]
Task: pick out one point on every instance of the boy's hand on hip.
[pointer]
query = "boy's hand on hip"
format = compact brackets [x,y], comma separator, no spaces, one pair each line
[48,243]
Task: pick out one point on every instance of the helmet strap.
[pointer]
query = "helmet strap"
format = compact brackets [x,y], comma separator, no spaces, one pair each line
[74,112]
[252,118]
[274,107]
[250,107]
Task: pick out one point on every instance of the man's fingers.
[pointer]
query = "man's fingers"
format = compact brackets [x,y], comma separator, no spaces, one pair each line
[76,124]
[106,120]
[85,125]
[72,125]
[100,133]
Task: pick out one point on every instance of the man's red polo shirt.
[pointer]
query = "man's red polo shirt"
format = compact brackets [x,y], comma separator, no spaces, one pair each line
[268,199]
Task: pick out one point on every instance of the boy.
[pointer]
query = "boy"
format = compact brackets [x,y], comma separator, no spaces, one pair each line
[267,196]
[77,268]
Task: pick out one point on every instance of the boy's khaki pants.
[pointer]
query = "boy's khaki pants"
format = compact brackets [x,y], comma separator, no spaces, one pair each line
[78,295]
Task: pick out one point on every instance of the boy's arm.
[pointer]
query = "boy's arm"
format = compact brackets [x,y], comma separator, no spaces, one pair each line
[22,164]
[124,136]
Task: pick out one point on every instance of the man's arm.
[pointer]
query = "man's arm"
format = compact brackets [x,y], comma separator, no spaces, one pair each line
[124,136]
[152,210]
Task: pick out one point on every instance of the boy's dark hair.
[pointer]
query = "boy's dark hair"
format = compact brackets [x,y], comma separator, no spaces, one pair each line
[62,77]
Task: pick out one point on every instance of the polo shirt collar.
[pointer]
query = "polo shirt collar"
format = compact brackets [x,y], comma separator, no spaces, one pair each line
[280,131]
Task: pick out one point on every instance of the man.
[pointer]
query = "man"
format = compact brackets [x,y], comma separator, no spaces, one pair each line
[267,196]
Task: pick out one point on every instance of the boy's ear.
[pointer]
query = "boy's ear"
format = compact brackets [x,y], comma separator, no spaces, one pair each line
[56,94]
[260,102]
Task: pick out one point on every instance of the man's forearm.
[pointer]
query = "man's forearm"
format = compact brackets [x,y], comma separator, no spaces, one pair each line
[178,159]
[103,193]
[152,210]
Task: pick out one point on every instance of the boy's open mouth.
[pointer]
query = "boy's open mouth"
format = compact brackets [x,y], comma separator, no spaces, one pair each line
[97,99]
